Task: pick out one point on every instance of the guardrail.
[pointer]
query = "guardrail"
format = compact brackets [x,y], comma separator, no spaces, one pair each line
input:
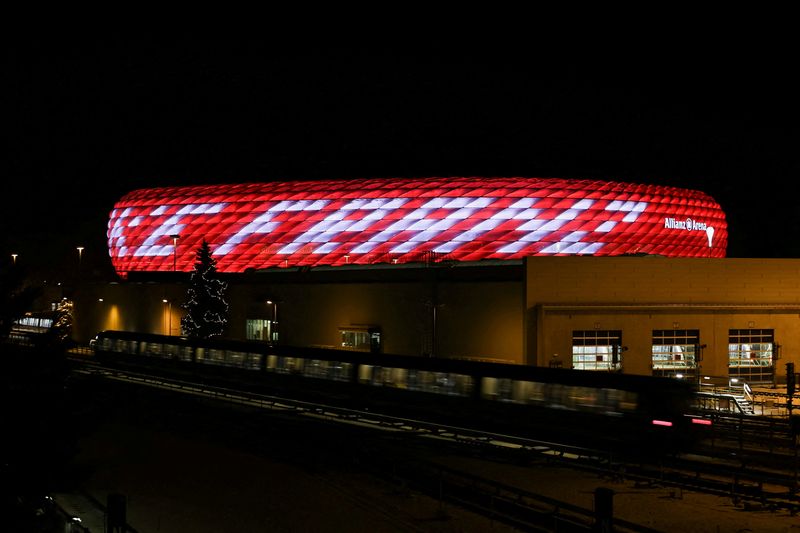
[721,401]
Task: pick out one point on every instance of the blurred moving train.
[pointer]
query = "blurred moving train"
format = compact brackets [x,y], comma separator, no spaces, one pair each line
[587,408]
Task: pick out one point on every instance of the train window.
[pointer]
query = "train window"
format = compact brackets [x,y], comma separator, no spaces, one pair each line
[288,365]
[155,349]
[185,353]
[421,380]
[527,392]
[341,371]
[215,355]
[390,377]
[123,346]
[559,396]
[234,358]
[253,361]
[365,374]
[149,348]
[620,401]
[463,385]
[316,369]
[583,398]
[496,389]
[555,396]
[212,356]
[333,370]
[440,382]
[170,350]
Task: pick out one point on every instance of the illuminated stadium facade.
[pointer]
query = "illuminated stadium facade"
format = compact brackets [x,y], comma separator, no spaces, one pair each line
[368,221]
[543,272]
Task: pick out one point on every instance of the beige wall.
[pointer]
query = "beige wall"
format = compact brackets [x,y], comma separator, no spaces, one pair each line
[128,307]
[480,319]
[640,294]
[528,321]
[662,280]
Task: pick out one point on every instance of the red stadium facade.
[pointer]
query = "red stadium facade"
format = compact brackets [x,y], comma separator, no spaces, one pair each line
[367,221]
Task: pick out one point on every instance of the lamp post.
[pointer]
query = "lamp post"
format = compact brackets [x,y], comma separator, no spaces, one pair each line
[14,258]
[168,318]
[273,327]
[80,255]
[175,238]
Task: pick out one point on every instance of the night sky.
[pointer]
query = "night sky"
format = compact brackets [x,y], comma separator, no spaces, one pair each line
[87,122]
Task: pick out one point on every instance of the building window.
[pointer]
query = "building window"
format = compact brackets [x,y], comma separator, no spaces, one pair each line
[361,339]
[675,352]
[750,354]
[261,330]
[597,350]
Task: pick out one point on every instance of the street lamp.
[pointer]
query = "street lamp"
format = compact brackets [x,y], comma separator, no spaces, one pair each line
[80,254]
[14,258]
[168,317]
[273,328]
[175,238]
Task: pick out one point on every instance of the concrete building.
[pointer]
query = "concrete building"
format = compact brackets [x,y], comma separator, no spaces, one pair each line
[666,316]
[641,315]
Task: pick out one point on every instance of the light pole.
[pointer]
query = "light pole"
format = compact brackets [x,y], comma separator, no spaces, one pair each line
[14,258]
[80,255]
[168,318]
[175,238]
[273,328]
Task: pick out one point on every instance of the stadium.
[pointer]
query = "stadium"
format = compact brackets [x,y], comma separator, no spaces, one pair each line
[585,274]
[370,221]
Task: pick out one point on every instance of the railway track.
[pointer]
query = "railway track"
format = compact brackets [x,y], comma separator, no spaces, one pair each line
[736,462]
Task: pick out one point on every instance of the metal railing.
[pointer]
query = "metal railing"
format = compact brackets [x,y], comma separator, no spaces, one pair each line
[720,393]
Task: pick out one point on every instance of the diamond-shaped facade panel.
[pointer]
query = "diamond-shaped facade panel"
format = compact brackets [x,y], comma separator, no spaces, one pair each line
[365,221]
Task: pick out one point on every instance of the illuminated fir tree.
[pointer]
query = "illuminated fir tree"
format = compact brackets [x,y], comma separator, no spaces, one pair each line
[62,325]
[207,309]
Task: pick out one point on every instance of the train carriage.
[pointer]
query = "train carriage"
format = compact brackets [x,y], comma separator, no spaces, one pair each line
[581,407]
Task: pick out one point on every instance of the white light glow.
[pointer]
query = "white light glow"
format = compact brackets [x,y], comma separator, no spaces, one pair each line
[524,203]
[606,226]
[327,248]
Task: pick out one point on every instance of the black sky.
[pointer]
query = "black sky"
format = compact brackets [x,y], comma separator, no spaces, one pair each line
[87,122]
